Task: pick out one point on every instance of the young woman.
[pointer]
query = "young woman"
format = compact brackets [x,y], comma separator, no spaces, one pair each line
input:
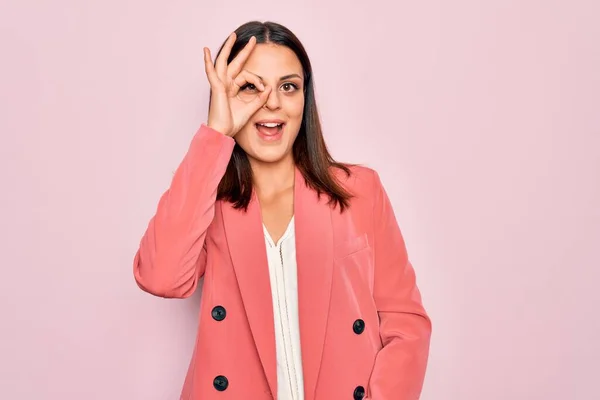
[308,291]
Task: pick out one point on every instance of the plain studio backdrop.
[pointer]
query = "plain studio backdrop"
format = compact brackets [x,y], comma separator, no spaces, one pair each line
[483,118]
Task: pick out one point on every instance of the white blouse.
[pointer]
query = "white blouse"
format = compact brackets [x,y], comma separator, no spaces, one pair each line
[284,291]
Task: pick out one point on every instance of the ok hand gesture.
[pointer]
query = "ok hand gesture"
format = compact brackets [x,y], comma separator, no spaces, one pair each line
[228,113]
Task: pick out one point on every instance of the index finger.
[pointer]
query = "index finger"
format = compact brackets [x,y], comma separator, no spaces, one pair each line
[238,62]
[221,63]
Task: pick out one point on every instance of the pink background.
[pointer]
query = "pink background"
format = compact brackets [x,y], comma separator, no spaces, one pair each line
[483,118]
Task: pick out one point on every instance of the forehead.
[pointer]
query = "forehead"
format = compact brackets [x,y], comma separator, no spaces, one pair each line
[272,61]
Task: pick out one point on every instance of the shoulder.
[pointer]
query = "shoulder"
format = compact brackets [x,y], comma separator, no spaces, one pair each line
[359,179]
[362,182]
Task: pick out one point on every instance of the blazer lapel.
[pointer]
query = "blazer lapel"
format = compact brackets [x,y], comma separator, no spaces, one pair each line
[247,248]
[314,255]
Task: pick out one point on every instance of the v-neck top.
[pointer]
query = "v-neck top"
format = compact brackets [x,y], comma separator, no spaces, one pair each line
[284,290]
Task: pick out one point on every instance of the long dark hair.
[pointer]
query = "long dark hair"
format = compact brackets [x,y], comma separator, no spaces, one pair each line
[309,150]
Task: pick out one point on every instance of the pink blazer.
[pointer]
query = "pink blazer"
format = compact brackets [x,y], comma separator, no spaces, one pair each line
[364,331]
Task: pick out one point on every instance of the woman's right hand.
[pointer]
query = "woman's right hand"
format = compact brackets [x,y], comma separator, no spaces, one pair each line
[228,113]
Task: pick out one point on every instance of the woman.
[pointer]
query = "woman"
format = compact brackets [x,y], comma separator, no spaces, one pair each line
[308,291]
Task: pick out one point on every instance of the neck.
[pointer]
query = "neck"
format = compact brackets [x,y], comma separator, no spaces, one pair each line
[272,178]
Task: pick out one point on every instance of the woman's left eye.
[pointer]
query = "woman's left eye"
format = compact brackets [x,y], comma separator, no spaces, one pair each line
[287,87]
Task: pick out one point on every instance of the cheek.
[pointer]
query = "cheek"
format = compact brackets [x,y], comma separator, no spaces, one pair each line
[242,136]
[295,107]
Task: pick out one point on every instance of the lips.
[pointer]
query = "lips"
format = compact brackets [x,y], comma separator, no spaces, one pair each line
[270,127]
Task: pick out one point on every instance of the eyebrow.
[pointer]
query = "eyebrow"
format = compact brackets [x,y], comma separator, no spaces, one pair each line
[283,78]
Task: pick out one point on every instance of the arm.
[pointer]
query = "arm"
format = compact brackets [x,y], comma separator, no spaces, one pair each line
[405,328]
[171,256]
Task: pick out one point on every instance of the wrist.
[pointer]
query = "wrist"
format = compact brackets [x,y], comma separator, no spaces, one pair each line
[215,127]
[220,129]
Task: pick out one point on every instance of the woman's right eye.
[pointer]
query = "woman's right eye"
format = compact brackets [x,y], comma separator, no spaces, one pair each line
[248,87]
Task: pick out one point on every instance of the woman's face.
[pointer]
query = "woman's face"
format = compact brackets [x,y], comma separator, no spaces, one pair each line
[269,135]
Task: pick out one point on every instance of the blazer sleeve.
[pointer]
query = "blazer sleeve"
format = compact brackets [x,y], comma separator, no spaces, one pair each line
[405,327]
[172,256]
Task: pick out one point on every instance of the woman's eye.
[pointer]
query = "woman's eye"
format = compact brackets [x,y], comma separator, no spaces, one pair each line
[248,87]
[288,87]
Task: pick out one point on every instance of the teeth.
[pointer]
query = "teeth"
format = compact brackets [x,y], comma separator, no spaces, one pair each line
[270,124]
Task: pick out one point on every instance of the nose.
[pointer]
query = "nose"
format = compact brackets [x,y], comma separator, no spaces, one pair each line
[273,102]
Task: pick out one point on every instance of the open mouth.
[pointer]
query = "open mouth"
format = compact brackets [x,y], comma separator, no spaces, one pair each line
[270,128]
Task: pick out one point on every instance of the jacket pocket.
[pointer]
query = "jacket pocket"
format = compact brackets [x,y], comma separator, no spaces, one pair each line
[351,246]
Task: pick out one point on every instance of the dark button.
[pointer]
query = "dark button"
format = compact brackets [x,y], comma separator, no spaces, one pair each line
[219,313]
[220,383]
[359,326]
[359,393]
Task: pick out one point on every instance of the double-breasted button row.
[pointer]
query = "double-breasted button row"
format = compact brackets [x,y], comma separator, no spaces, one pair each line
[359,327]
[220,382]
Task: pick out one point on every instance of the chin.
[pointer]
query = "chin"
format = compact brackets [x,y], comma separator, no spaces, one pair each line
[269,155]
